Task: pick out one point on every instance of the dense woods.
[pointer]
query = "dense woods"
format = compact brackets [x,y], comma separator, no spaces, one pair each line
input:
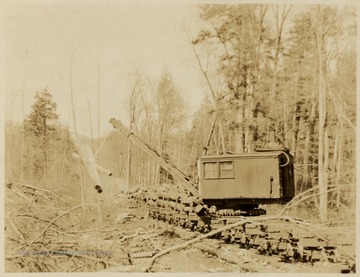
[274,75]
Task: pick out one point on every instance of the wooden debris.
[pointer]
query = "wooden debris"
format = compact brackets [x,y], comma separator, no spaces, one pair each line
[54,220]
[147,254]
[218,252]
[190,242]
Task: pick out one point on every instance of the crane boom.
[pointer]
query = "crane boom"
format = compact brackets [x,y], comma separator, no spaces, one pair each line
[166,164]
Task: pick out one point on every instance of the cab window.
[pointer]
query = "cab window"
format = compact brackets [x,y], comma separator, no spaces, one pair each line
[218,170]
[226,169]
[210,170]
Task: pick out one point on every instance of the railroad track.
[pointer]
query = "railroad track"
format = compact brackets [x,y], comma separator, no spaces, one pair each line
[291,241]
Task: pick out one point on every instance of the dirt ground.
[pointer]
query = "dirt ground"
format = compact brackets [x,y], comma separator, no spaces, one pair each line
[42,234]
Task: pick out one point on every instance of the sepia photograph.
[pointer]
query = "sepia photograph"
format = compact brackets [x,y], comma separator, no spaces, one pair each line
[179,137]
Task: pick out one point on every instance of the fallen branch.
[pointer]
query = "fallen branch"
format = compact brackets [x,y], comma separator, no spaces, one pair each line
[95,259]
[230,258]
[54,220]
[88,257]
[147,254]
[36,188]
[33,216]
[21,194]
[297,199]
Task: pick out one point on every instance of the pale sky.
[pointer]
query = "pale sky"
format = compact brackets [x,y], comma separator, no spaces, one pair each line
[41,39]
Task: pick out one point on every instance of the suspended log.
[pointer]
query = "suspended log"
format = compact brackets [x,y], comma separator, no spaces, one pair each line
[99,168]
[88,160]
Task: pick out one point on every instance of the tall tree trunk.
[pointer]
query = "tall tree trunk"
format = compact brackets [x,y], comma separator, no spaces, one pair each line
[239,141]
[309,139]
[285,115]
[296,118]
[280,21]
[322,151]
[339,161]
[249,112]
[294,133]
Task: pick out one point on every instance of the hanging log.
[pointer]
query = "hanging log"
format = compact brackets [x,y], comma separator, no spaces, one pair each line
[99,168]
[88,160]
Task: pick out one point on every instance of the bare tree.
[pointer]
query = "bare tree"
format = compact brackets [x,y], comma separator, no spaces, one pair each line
[136,83]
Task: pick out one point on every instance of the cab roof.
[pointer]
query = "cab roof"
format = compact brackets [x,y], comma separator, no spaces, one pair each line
[257,154]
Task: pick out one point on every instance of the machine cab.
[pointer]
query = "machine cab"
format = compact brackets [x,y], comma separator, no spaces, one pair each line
[263,177]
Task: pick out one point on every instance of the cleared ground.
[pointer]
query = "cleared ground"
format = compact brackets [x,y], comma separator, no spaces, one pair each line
[45,234]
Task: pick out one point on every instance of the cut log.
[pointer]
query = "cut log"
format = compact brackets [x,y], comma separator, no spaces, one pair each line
[147,254]
[217,252]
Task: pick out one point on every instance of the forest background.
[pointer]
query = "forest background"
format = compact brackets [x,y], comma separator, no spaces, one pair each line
[282,72]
